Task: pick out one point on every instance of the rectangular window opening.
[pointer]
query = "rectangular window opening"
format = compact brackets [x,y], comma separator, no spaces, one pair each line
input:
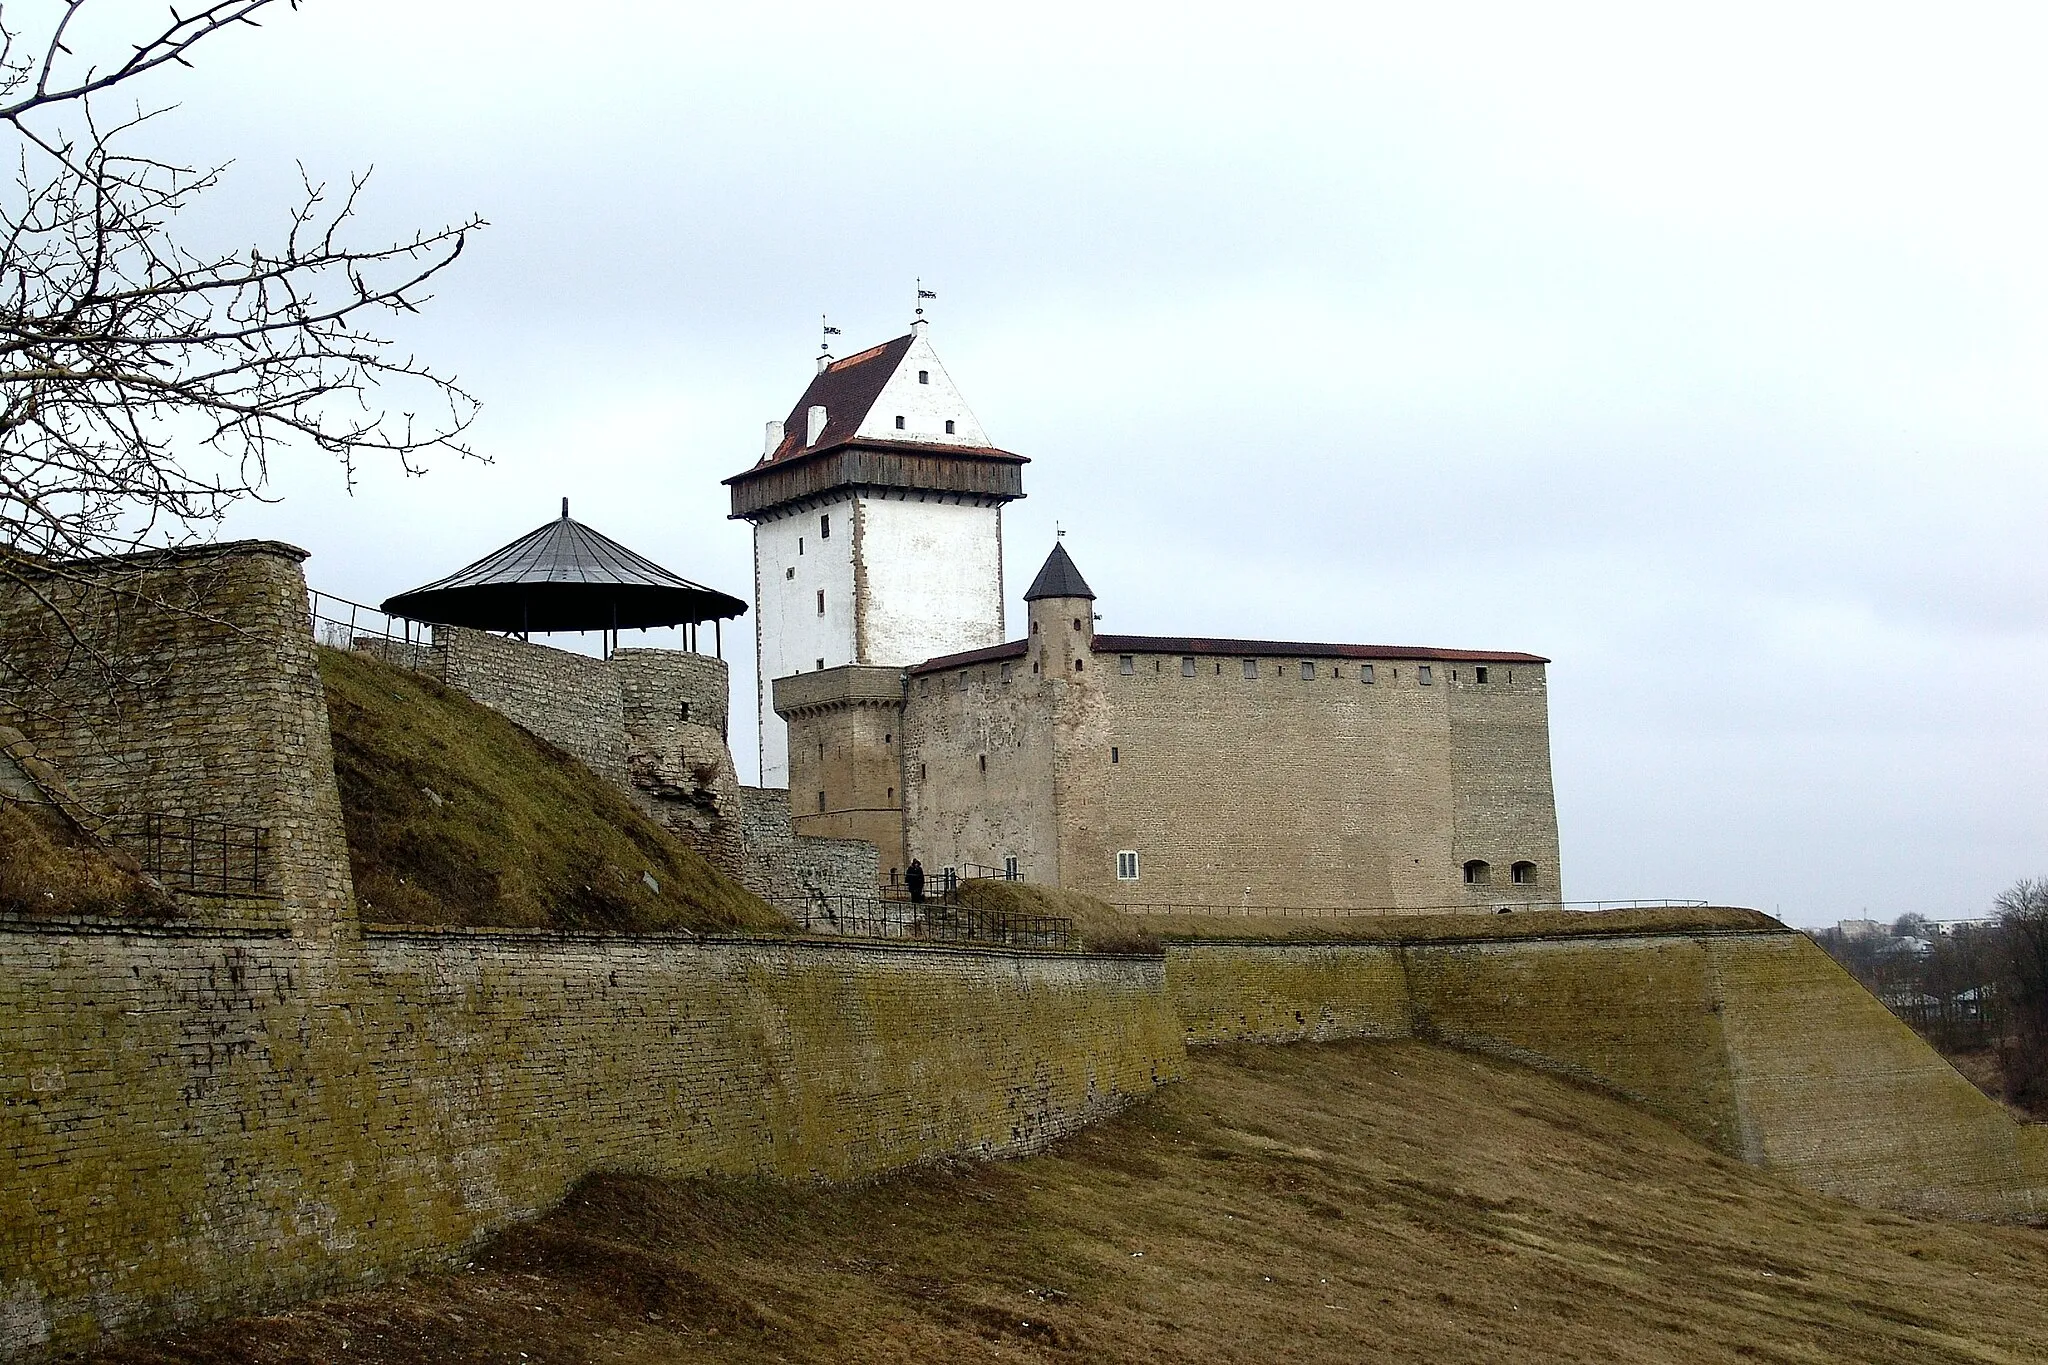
[821,601]
[1251,669]
[1187,668]
[1112,753]
[1127,865]
[1126,665]
[1010,868]
[1308,669]
[825,526]
[1424,675]
[1479,675]
[1365,673]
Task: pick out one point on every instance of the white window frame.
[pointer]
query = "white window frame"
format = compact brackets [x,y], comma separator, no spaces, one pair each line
[1127,865]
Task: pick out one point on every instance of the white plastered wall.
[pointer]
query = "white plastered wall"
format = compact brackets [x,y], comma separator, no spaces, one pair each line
[933,580]
[791,635]
[924,407]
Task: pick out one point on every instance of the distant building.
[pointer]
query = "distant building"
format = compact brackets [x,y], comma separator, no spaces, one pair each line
[1148,770]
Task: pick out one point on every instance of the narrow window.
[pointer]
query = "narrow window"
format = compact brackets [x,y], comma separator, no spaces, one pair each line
[1077,623]
[799,544]
[1479,675]
[1006,672]
[1524,873]
[1127,865]
[821,601]
[1010,868]
[1034,627]
[1187,668]
[1112,753]
[825,526]
[1077,665]
[920,772]
[924,376]
[1477,873]
[949,426]
[1423,676]
[684,714]
[821,665]
[1336,670]
[1251,669]
[984,762]
[1511,675]
[1219,668]
[1365,673]
[1454,675]
[821,803]
[891,797]
[1308,669]
[789,572]
[899,422]
[885,739]
[1126,665]
[821,751]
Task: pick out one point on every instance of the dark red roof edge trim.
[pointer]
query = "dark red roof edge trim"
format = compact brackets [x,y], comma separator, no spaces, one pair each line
[1283,649]
[1012,650]
[1182,644]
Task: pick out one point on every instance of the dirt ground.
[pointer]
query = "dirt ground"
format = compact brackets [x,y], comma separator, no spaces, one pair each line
[1343,1202]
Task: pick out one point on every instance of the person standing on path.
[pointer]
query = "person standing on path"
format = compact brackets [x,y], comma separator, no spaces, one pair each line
[913,877]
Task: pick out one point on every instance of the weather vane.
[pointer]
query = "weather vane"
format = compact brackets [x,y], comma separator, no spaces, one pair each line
[1057,532]
[828,332]
[923,294]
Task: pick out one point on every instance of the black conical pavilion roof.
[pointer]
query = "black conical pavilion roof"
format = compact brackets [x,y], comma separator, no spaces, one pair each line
[1059,578]
[563,576]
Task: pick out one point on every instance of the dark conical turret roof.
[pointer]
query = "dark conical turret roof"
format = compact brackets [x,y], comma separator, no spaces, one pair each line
[563,576]
[1059,578]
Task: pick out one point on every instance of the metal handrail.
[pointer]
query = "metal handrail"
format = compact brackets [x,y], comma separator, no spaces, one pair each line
[342,624]
[931,921]
[197,853]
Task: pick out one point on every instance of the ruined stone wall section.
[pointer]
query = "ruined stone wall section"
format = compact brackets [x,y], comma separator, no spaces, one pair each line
[197,694]
[785,868]
[673,704]
[194,1124]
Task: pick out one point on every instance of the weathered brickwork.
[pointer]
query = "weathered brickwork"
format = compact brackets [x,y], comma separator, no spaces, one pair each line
[184,683]
[194,1123]
[1756,1044]
[845,756]
[652,721]
[1303,782]
[788,869]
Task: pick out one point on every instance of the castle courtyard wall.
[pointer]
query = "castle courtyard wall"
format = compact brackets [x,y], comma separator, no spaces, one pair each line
[978,765]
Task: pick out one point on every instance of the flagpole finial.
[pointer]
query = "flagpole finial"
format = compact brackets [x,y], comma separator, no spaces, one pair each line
[917,318]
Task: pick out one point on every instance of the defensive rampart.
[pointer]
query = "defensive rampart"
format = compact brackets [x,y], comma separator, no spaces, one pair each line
[1755,1043]
[195,1121]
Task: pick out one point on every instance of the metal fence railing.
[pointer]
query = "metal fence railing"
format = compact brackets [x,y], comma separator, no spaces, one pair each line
[931,921]
[1249,910]
[197,854]
[342,624]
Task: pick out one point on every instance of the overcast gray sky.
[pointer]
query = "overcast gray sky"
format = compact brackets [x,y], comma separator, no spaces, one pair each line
[1702,354]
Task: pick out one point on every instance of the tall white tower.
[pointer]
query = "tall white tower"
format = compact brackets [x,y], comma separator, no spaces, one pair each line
[877,508]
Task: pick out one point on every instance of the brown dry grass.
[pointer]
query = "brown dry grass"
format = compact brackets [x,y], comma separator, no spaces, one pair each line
[47,869]
[457,816]
[1333,1203]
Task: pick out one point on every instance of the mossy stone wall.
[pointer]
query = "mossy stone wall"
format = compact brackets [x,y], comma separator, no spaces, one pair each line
[197,1122]
[1755,1043]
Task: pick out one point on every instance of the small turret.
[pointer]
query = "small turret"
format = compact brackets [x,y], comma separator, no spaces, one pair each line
[1062,610]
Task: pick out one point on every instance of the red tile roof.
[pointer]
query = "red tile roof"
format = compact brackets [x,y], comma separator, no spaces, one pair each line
[846,389]
[1012,650]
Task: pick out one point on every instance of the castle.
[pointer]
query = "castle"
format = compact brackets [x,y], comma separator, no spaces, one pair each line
[1148,770]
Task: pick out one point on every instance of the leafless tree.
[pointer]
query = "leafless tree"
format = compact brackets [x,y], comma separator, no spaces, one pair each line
[147,380]
[145,383]
[2023,923]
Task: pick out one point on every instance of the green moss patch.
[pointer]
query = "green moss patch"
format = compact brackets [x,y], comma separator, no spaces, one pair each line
[457,816]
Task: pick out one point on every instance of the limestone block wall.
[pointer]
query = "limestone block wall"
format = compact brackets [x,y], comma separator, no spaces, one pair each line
[194,1122]
[1755,1043]
[846,756]
[784,867]
[652,721]
[183,683]
[978,769]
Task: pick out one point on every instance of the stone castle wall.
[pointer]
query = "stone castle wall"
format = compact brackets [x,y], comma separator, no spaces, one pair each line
[845,745]
[195,1122]
[787,869]
[183,683]
[1277,789]
[1757,1044]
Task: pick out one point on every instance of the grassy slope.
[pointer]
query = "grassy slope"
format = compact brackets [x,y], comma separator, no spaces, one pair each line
[47,869]
[523,834]
[1100,923]
[1342,1202]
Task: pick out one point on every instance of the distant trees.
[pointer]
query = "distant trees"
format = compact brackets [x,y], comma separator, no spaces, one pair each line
[1973,987]
[2023,929]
